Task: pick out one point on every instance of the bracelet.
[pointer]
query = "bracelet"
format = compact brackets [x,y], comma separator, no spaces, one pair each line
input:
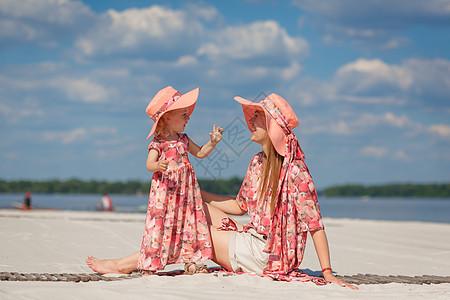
[327,268]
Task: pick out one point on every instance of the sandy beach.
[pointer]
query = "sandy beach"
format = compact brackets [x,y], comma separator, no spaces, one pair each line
[59,242]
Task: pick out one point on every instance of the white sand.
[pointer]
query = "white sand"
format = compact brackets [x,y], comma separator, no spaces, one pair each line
[59,242]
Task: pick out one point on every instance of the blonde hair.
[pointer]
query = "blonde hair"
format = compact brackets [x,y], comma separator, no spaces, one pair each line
[270,174]
[161,128]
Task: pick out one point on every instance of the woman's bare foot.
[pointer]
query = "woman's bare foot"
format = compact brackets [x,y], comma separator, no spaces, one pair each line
[104,266]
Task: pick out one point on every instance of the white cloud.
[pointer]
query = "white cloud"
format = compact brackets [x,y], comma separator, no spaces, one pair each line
[388,119]
[442,130]
[82,89]
[382,152]
[291,71]
[258,40]
[67,137]
[187,60]
[48,79]
[78,134]
[372,151]
[376,82]
[366,74]
[14,113]
[156,33]
[341,128]
[401,121]
[431,80]
[424,82]
[42,22]
[362,124]
[375,22]
[251,57]
[401,155]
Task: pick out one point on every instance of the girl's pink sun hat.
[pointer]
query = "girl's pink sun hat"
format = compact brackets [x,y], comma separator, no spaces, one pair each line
[280,118]
[169,99]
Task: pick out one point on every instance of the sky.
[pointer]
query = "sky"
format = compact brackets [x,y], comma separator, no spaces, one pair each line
[369,82]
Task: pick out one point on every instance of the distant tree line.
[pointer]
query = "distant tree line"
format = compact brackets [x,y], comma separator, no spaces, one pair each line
[76,186]
[390,190]
[219,186]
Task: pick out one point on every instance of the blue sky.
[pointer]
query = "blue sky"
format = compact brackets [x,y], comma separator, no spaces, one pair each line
[370,83]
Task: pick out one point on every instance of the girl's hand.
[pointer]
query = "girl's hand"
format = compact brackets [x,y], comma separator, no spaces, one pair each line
[216,135]
[328,276]
[163,165]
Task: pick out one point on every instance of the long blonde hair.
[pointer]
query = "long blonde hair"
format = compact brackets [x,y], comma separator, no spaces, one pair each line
[270,174]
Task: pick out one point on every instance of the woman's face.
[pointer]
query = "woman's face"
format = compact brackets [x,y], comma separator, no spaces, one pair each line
[258,127]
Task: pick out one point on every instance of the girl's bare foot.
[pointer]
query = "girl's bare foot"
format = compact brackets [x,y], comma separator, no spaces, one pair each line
[193,268]
[104,266]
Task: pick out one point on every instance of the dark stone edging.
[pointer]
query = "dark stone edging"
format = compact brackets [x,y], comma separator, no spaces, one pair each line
[85,277]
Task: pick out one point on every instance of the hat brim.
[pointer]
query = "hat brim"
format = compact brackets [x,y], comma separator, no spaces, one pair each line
[276,133]
[186,100]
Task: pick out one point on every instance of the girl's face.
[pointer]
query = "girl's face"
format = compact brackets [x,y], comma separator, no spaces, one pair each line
[177,119]
[258,127]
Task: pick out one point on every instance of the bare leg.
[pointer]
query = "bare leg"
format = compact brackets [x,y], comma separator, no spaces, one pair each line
[123,265]
[220,242]
[220,239]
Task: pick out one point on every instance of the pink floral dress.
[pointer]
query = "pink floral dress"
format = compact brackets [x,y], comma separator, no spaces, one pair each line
[176,229]
[287,230]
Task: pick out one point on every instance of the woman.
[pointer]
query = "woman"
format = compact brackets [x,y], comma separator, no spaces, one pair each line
[279,196]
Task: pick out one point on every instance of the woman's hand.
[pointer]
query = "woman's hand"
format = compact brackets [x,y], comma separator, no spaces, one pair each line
[216,135]
[321,244]
[328,276]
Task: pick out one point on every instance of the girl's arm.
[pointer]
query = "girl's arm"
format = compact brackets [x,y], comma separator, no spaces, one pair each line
[207,148]
[153,164]
[226,204]
[321,244]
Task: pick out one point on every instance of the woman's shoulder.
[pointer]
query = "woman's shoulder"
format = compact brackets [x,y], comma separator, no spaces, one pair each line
[258,157]
[255,162]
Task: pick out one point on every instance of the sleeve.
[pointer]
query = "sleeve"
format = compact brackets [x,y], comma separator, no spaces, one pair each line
[155,144]
[248,187]
[241,197]
[302,189]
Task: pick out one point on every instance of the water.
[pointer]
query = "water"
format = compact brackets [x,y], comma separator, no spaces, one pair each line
[86,202]
[397,209]
[402,209]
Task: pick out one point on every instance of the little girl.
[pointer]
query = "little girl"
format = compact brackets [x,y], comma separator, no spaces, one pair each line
[176,229]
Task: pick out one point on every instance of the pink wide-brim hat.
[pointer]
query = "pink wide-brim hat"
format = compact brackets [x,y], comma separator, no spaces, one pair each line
[277,134]
[169,99]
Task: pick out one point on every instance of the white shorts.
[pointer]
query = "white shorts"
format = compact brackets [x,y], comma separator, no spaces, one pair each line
[246,251]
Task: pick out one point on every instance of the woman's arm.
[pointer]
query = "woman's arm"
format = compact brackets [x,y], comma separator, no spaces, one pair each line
[226,204]
[321,244]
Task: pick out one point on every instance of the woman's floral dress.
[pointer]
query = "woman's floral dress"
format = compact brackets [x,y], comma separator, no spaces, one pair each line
[297,214]
[176,230]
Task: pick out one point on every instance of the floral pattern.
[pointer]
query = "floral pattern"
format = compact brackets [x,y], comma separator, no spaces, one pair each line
[275,113]
[166,106]
[176,229]
[296,213]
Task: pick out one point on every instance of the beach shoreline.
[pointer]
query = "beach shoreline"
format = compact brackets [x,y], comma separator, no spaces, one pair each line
[59,241]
